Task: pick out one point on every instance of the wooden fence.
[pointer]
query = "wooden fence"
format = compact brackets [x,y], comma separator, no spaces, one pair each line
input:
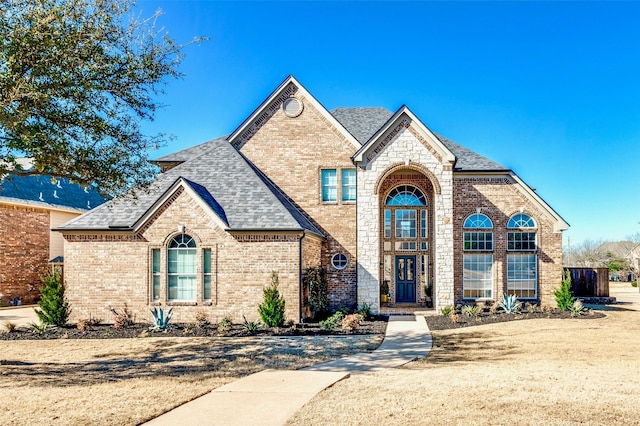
[589,282]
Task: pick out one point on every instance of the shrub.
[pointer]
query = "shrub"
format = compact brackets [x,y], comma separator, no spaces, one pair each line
[510,303]
[272,308]
[332,322]
[455,317]
[447,310]
[352,321]
[225,324]
[42,328]
[315,280]
[123,318]
[54,308]
[10,327]
[83,324]
[365,310]
[576,308]
[202,319]
[251,326]
[634,284]
[564,296]
[471,310]
[160,319]
[530,307]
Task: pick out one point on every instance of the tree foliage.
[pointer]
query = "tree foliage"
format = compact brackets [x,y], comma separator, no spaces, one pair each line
[272,308]
[77,79]
[564,295]
[315,280]
[54,308]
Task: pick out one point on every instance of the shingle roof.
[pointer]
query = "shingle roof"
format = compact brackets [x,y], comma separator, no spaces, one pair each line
[224,179]
[363,123]
[40,189]
[189,153]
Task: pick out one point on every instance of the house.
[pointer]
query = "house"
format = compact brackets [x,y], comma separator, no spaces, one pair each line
[621,256]
[373,196]
[30,206]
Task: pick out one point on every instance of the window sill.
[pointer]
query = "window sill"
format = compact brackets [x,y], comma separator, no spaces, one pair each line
[182,303]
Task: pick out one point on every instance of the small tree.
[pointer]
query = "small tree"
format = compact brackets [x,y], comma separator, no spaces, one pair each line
[564,296]
[272,308]
[315,279]
[54,308]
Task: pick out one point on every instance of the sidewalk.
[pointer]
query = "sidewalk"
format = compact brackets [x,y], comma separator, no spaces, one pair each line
[271,397]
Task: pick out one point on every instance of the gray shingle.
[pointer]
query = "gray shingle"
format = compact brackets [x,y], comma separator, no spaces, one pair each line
[224,179]
[40,189]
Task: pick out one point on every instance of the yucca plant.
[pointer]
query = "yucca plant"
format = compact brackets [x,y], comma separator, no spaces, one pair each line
[471,310]
[446,311]
[42,328]
[510,303]
[576,308]
[160,319]
[251,326]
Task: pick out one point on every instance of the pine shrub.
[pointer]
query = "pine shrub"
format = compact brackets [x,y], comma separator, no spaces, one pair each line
[54,308]
[272,308]
[564,296]
[315,280]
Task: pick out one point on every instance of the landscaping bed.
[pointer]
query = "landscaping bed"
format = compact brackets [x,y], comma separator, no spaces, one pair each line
[373,325]
[441,322]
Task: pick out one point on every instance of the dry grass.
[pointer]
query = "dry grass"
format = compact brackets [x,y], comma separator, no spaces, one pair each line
[551,372]
[127,381]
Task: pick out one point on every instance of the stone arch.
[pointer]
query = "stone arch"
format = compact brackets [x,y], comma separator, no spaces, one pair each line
[411,166]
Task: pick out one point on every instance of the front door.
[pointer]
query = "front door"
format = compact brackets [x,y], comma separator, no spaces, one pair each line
[405,279]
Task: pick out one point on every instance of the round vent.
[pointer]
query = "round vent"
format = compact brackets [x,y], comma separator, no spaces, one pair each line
[292,107]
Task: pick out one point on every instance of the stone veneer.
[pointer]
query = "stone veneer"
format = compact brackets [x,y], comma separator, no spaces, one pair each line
[404,147]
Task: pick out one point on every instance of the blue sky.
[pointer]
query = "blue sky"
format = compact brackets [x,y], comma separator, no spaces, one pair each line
[548,89]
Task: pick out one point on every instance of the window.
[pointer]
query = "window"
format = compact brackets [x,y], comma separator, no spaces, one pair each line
[329,185]
[405,195]
[181,268]
[348,184]
[387,223]
[522,275]
[155,274]
[521,240]
[521,221]
[405,224]
[477,276]
[478,240]
[339,261]
[206,274]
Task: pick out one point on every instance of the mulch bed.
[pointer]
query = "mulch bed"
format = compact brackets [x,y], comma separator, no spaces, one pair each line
[374,325]
[441,322]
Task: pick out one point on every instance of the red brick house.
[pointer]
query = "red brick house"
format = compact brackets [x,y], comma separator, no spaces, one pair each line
[372,195]
[29,207]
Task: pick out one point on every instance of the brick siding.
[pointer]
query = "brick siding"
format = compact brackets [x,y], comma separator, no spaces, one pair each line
[24,252]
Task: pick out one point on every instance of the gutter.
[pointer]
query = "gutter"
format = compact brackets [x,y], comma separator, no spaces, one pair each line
[304,234]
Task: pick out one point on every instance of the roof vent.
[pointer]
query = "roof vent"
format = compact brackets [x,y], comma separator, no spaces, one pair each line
[292,107]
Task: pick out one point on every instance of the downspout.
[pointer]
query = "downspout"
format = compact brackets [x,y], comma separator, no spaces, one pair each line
[301,290]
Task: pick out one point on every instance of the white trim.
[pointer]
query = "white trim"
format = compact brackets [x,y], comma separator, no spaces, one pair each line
[302,93]
[441,149]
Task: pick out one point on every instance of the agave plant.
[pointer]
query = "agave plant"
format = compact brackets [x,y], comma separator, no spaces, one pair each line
[160,319]
[510,304]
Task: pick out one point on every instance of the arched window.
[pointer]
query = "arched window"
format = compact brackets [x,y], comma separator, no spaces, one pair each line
[478,267]
[522,268]
[406,195]
[521,221]
[181,268]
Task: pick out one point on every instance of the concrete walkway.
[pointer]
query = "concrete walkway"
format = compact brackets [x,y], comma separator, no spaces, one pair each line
[271,397]
[22,316]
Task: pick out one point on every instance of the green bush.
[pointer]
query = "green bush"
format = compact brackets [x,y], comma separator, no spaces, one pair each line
[564,296]
[54,308]
[446,311]
[332,322]
[272,308]
[634,284]
[365,310]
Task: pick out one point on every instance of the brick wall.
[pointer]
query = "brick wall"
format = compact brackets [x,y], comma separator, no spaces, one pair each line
[24,252]
[499,198]
[109,271]
[292,152]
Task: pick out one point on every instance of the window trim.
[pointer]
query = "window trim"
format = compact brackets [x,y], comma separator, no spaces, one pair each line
[334,260]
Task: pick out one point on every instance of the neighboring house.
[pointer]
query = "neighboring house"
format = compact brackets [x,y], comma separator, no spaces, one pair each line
[369,194]
[634,261]
[621,251]
[30,206]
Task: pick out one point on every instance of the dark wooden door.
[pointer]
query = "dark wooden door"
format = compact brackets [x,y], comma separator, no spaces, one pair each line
[405,279]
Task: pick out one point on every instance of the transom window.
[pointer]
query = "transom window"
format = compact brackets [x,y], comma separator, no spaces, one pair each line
[181,268]
[480,240]
[521,221]
[406,195]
